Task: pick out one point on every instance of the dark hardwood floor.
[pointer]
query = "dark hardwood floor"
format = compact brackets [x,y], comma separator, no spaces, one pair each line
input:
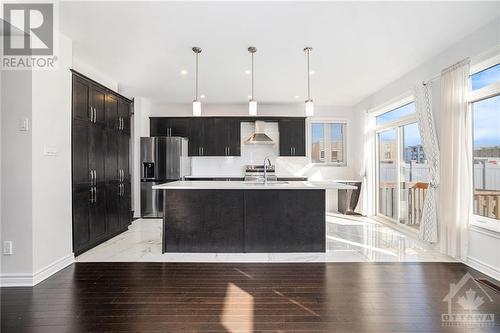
[170,297]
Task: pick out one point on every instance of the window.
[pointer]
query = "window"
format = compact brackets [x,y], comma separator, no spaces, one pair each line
[485,77]
[486,144]
[396,114]
[403,172]
[328,143]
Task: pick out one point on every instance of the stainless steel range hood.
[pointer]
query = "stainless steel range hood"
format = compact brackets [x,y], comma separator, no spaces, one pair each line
[260,137]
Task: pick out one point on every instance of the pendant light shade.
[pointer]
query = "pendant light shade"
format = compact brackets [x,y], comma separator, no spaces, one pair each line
[252,104]
[196,102]
[252,107]
[309,101]
[196,108]
[309,108]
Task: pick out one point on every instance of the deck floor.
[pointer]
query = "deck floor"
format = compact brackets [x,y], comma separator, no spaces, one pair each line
[244,297]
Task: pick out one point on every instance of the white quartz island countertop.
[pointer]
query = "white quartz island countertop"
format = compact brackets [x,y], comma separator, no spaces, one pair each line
[242,185]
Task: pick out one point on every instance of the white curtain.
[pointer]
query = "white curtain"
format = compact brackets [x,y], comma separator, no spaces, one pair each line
[423,103]
[456,175]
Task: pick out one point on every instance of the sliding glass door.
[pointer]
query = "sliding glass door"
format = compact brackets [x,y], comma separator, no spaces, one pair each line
[402,169]
[414,176]
[388,173]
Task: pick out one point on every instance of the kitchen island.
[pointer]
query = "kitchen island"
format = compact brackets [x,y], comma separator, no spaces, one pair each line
[244,217]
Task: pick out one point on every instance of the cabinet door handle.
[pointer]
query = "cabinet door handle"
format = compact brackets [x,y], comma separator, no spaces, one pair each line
[291,151]
[93,115]
[123,124]
[95,194]
[95,177]
[91,195]
[91,175]
[203,151]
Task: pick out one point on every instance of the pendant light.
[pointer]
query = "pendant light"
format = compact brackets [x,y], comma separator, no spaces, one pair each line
[309,101]
[196,102]
[252,104]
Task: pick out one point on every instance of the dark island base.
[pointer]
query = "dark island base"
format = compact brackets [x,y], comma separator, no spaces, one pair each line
[238,221]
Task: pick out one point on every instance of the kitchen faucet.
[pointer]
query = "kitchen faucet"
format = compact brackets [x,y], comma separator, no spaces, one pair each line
[267,162]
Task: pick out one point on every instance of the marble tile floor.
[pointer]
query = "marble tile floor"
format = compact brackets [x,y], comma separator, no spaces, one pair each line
[349,239]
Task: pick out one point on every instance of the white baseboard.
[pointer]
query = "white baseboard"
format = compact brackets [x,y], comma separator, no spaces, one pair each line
[30,280]
[483,268]
[16,280]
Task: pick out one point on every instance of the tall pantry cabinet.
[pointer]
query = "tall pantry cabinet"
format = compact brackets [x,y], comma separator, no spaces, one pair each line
[100,163]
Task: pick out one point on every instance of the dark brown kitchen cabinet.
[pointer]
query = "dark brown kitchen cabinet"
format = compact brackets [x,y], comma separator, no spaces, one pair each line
[98,104]
[81,172]
[227,141]
[196,137]
[171,127]
[100,163]
[124,204]
[292,137]
[123,159]
[98,212]
[81,217]
[111,112]
[124,116]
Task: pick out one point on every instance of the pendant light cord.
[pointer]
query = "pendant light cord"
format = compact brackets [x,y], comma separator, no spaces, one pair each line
[308,78]
[252,77]
[196,97]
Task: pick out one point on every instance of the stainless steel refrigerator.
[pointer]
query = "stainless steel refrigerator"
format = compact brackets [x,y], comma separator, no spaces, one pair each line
[163,159]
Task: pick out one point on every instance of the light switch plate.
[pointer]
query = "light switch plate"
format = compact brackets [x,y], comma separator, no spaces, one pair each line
[7,248]
[24,124]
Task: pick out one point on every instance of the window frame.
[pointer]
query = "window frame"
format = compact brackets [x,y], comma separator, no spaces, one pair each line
[345,125]
[478,95]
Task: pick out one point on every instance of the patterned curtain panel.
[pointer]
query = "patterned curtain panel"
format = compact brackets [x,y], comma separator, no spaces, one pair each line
[423,104]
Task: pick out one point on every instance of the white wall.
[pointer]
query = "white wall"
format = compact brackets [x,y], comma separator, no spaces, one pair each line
[51,188]
[484,245]
[16,224]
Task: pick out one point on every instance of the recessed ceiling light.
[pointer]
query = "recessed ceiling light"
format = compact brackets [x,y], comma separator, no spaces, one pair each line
[248,72]
[249,96]
[202,96]
[184,72]
[297,96]
[312,72]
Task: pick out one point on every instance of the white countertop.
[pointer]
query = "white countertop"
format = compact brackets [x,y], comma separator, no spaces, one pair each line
[241,185]
[240,176]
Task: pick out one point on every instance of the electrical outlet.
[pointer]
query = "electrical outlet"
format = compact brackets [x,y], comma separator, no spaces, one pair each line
[7,248]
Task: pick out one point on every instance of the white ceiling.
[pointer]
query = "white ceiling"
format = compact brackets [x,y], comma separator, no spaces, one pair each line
[358,47]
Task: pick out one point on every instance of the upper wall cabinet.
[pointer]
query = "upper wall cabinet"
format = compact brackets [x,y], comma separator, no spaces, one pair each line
[292,137]
[221,136]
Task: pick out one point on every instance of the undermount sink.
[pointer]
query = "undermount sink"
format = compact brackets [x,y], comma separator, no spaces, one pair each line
[270,183]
